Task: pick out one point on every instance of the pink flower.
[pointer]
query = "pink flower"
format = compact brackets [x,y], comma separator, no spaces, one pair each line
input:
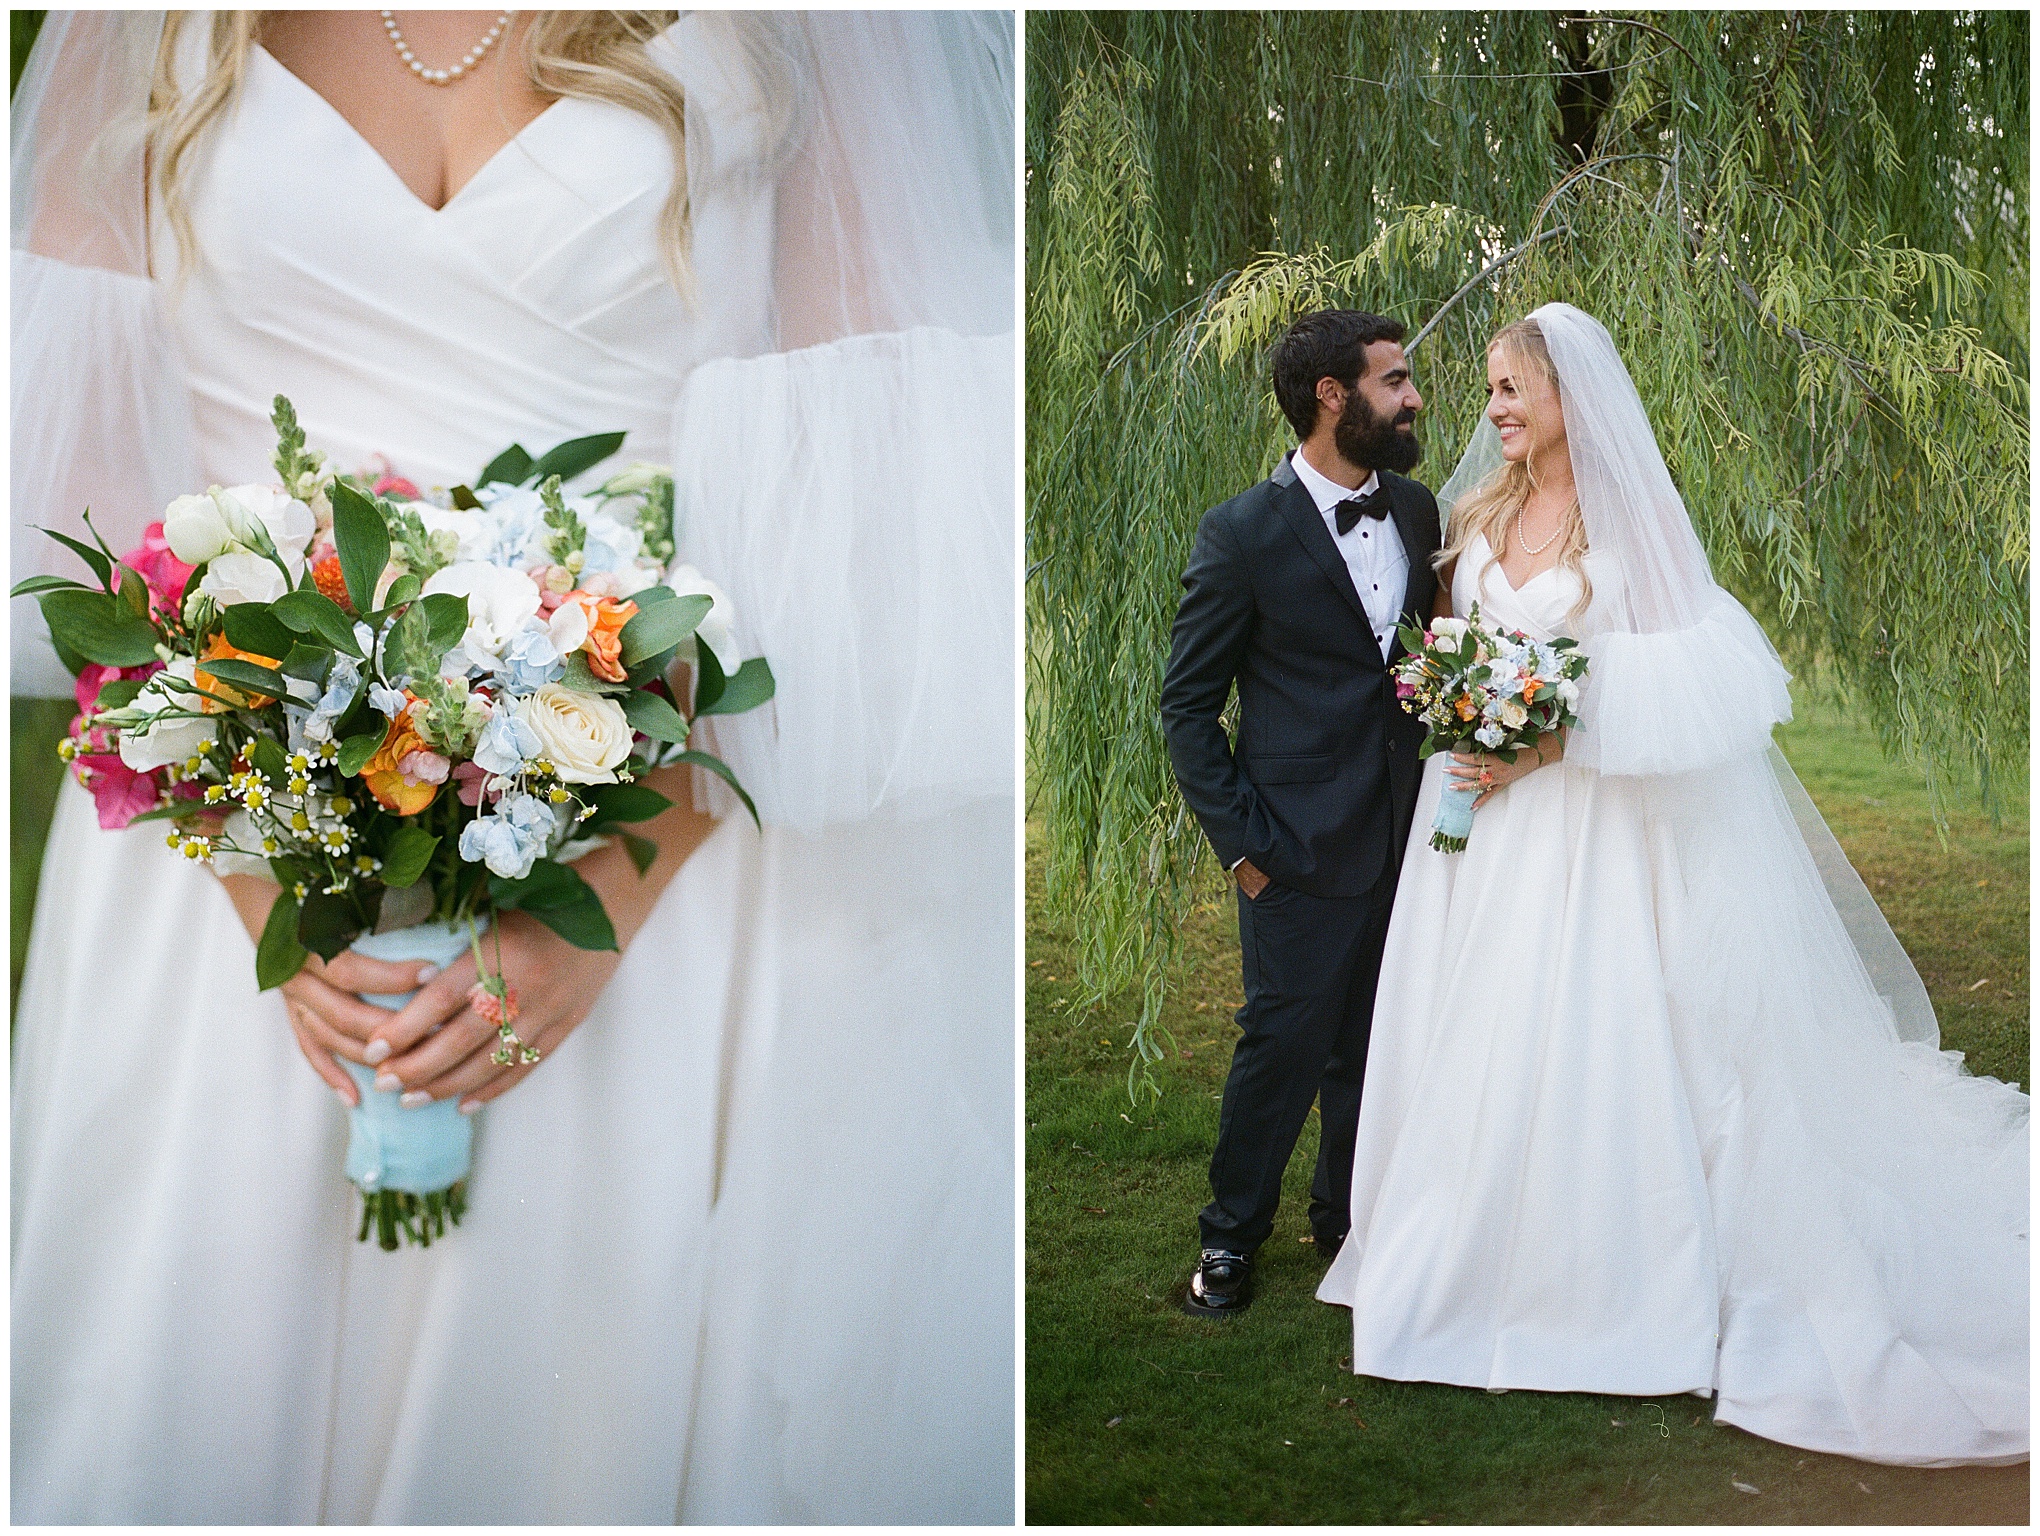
[392,484]
[160,569]
[470,778]
[119,793]
[423,767]
[96,677]
[1405,690]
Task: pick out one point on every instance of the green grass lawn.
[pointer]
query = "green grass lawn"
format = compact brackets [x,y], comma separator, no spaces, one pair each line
[1137,1412]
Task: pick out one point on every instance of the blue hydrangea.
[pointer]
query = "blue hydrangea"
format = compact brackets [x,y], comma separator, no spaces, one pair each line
[312,721]
[507,743]
[513,839]
[529,660]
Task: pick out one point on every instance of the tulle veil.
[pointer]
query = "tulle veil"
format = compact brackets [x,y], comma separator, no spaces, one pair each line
[1683,685]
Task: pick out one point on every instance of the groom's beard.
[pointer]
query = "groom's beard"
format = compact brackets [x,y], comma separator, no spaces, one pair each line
[1376,442]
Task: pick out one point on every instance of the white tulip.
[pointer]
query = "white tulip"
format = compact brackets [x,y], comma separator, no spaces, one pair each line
[500,603]
[240,577]
[288,521]
[718,627]
[156,741]
[197,528]
[584,735]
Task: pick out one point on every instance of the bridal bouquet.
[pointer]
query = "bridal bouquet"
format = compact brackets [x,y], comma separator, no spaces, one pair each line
[411,711]
[1479,688]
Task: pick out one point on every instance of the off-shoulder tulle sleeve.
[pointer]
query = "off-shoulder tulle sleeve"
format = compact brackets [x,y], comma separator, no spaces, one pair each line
[1675,700]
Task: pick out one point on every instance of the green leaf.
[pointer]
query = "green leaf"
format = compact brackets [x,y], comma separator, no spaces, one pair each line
[446,620]
[562,900]
[642,850]
[246,676]
[465,499]
[47,584]
[279,956]
[582,679]
[102,565]
[134,592]
[721,770]
[316,614]
[649,713]
[752,685]
[266,753]
[362,541]
[356,750]
[256,627]
[410,850]
[98,627]
[660,626]
[121,692]
[570,458]
[627,802]
[510,467]
[404,589]
[709,679]
[327,924]
[312,663]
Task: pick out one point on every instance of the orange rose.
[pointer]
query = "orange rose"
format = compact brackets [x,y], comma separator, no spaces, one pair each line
[1530,687]
[1465,707]
[604,645]
[218,695]
[392,787]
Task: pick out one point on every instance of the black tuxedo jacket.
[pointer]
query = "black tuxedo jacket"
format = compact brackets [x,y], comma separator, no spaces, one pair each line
[1320,789]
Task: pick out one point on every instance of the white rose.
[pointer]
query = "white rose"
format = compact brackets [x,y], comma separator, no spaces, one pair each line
[288,521]
[1513,714]
[1449,630]
[197,528]
[243,578]
[471,538]
[585,735]
[1569,691]
[153,743]
[500,603]
[718,625]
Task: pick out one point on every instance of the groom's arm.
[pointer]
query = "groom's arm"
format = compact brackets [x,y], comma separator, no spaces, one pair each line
[1214,624]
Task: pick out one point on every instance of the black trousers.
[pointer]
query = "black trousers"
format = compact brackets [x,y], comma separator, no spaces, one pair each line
[1309,964]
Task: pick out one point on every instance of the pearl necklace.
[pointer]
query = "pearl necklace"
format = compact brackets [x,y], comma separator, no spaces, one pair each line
[443,76]
[1540,549]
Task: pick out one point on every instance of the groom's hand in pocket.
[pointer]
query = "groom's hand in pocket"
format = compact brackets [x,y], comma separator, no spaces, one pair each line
[1250,879]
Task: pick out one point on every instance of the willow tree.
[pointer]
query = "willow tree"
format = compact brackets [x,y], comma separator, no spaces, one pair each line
[1807,232]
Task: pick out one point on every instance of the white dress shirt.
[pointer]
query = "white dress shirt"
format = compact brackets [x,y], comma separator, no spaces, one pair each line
[1373,551]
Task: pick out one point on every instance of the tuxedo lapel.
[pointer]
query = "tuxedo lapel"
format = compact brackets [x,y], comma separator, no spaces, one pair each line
[1308,524]
[1419,544]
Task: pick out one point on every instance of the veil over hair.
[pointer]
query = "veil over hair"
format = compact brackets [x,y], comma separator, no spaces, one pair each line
[1683,686]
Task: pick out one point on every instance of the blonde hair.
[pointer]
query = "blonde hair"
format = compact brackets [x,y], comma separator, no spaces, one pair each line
[596,55]
[1493,508]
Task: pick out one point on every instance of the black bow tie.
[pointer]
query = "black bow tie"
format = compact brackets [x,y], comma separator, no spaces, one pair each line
[1374,504]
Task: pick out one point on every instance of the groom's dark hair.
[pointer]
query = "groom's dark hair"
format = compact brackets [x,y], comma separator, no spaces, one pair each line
[1326,343]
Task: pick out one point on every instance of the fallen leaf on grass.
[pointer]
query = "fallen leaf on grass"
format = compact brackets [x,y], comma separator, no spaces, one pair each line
[1092,1210]
[1113,1422]
[1344,1402]
[1864,1486]
[1742,1487]
[1150,1503]
[1126,1117]
[1617,1424]
[1975,984]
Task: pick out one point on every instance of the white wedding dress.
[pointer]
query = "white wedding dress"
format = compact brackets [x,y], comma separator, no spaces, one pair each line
[1635,1122]
[742,1249]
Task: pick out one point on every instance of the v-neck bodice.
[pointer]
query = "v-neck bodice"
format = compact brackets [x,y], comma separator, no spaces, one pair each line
[534,305]
[1542,606]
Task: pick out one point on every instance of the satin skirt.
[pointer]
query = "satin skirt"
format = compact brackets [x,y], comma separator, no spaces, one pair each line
[1636,1122]
[742,1249]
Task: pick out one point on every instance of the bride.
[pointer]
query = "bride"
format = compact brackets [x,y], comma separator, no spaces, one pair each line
[740,1248]
[1654,1102]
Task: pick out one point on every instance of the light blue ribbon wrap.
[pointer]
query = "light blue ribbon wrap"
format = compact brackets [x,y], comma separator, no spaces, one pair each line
[1453,823]
[422,1150]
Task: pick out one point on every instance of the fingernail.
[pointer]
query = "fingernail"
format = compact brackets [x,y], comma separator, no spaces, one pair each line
[388,1082]
[378,1052]
[342,1096]
[469,1106]
[426,973]
[414,1098]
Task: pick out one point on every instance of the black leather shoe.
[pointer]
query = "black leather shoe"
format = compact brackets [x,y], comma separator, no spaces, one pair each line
[1327,1247]
[1219,1288]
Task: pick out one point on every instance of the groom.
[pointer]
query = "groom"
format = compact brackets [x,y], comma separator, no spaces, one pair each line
[1293,594]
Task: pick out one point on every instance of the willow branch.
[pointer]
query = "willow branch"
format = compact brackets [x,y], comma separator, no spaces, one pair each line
[1624,21]
[1477,279]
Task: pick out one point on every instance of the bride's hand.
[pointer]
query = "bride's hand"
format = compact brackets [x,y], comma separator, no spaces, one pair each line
[1489,774]
[438,1046]
[327,1017]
